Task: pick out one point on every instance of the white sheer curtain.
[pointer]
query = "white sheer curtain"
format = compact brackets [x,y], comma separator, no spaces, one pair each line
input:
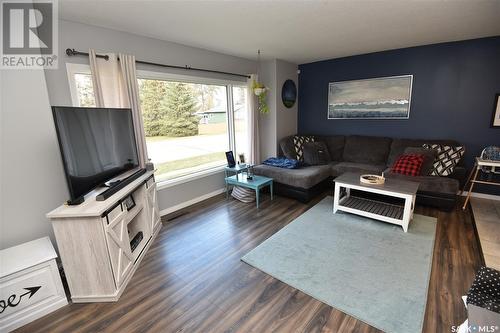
[129,79]
[253,123]
[115,86]
[109,89]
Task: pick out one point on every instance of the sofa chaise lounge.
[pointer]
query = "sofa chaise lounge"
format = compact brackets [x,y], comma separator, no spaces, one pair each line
[365,154]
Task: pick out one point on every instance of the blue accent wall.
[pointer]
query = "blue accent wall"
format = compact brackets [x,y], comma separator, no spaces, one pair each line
[454,85]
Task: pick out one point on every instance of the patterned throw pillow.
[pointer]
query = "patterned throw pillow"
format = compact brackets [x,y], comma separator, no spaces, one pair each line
[410,164]
[485,290]
[298,143]
[446,160]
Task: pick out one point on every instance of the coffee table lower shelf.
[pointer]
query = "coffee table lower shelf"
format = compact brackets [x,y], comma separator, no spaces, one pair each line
[375,207]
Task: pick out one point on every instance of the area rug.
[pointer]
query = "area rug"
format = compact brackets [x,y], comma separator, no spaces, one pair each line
[368,269]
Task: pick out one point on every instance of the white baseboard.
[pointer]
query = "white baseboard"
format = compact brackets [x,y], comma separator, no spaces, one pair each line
[191,202]
[482,195]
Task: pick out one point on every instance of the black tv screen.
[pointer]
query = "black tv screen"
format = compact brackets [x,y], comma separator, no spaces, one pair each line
[97,144]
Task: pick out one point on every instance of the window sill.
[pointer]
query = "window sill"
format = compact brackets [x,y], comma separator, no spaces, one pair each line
[162,184]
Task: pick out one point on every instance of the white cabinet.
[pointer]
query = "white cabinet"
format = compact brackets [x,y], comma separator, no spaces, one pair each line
[102,242]
[30,285]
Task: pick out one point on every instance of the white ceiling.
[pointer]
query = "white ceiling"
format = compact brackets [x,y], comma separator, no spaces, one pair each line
[296,31]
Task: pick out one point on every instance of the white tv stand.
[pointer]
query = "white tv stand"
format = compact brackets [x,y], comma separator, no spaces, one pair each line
[94,239]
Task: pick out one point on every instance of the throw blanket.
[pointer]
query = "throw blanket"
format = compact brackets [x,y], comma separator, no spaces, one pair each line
[282,162]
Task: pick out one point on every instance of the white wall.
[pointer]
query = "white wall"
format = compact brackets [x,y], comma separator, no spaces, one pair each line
[32,181]
[267,122]
[280,121]
[286,118]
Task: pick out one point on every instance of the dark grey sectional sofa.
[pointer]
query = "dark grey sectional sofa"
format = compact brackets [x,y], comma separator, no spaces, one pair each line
[365,154]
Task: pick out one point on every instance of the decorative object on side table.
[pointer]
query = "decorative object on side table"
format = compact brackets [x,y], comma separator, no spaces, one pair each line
[241,158]
[377,98]
[250,172]
[231,162]
[495,120]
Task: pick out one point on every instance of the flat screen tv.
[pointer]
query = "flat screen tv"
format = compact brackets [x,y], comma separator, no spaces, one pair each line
[97,145]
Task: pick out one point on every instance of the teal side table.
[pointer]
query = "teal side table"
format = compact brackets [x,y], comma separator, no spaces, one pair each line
[236,170]
[256,183]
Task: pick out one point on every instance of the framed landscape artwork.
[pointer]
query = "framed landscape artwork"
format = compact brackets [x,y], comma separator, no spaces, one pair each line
[495,121]
[378,98]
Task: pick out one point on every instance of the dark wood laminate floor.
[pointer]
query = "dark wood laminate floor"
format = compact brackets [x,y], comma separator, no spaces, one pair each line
[192,279]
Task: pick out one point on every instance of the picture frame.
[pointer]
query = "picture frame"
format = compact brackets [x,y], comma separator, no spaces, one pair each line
[386,97]
[231,162]
[495,118]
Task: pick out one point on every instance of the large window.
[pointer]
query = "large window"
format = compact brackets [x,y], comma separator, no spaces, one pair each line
[82,90]
[189,122]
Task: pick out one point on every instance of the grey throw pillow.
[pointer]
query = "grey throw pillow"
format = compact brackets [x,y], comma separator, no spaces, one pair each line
[316,153]
[429,157]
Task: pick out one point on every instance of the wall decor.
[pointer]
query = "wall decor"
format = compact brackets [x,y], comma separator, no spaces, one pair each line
[289,93]
[377,98]
[495,120]
[260,90]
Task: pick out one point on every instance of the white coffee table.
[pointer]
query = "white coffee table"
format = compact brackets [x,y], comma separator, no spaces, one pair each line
[381,208]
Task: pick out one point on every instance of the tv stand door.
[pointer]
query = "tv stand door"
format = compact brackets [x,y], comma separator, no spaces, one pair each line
[115,225]
[152,204]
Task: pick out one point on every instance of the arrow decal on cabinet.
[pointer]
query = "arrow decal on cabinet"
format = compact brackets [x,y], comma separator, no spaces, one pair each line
[11,300]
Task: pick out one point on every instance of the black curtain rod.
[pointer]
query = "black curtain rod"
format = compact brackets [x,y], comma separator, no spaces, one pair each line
[73,52]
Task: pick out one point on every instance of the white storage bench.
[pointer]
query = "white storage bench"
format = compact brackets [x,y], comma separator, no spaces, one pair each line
[30,285]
